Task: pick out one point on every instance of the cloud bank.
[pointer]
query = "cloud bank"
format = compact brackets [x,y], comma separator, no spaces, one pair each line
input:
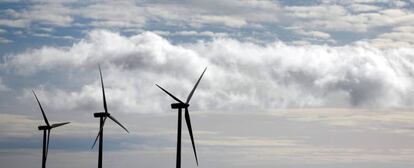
[241,76]
[385,23]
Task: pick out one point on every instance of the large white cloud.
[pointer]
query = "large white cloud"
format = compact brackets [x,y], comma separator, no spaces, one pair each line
[241,76]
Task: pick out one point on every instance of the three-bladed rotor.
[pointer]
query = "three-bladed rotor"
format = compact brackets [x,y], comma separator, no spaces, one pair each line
[46,128]
[105,114]
[185,105]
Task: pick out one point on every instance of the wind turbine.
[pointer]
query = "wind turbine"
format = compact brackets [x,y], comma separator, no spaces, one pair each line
[180,105]
[102,118]
[46,132]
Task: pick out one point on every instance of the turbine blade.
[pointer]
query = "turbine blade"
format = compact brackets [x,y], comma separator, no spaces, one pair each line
[96,139]
[59,124]
[195,87]
[190,130]
[47,144]
[103,90]
[116,121]
[43,112]
[99,133]
[175,98]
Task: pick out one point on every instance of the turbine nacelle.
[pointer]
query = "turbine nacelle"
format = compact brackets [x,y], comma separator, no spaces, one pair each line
[179,105]
[44,127]
[101,114]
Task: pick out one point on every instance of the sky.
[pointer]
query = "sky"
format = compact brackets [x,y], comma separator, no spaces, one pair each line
[289,83]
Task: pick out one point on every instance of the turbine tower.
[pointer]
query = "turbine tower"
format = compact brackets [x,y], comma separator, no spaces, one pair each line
[46,132]
[102,118]
[181,105]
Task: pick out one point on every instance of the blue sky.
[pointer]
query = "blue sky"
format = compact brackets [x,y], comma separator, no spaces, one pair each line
[298,84]
[31,24]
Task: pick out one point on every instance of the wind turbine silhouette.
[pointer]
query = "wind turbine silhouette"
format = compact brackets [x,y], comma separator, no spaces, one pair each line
[180,105]
[102,118]
[46,132]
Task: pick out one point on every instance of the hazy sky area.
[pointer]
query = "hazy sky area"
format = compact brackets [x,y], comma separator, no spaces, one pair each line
[289,84]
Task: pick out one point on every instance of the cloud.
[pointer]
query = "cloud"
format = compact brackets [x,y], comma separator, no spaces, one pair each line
[312,36]
[241,76]
[5,40]
[250,20]
[121,14]
[49,14]
[131,14]
[402,36]
[393,121]
[338,16]
[3,87]
[12,23]
[193,33]
[47,35]
[267,139]
[364,8]
[315,34]
[233,14]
